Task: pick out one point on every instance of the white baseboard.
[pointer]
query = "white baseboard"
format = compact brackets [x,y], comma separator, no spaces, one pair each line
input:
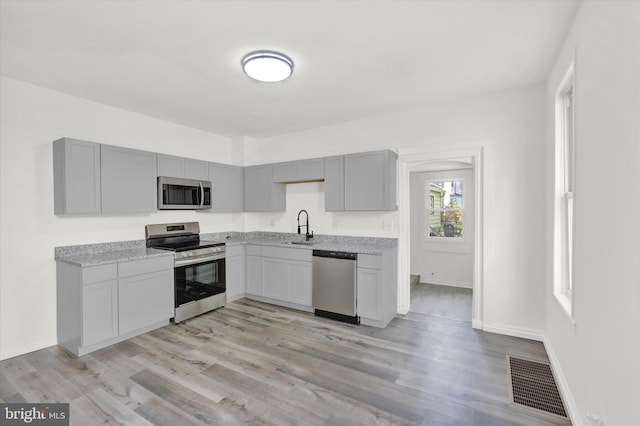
[477,324]
[525,333]
[236,297]
[36,345]
[563,384]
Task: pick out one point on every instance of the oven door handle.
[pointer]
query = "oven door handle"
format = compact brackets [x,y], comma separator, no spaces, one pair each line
[201,195]
[196,260]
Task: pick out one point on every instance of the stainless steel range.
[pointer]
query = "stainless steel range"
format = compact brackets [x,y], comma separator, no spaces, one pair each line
[199,267]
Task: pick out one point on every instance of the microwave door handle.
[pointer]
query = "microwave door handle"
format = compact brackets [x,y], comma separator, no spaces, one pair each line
[201,195]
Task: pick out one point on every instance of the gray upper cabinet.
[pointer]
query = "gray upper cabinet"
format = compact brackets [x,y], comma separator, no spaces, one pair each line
[172,166]
[261,193]
[76,176]
[370,181]
[128,180]
[334,183]
[227,188]
[299,171]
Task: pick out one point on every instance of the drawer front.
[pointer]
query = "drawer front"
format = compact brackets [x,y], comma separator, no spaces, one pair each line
[236,250]
[253,250]
[145,266]
[370,261]
[287,253]
[94,274]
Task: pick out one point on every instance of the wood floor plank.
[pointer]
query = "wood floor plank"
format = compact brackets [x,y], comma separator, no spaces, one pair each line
[98,407]
[255,363]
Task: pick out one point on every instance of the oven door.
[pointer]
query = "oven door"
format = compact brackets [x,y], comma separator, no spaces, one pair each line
[197,279]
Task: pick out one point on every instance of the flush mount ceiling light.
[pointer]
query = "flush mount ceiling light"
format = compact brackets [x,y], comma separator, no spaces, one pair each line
[267,66]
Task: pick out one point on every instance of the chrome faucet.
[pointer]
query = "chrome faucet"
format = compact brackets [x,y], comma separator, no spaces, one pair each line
[307,235]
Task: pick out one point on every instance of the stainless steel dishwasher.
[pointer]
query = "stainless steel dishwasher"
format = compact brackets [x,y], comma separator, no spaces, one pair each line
[335,285]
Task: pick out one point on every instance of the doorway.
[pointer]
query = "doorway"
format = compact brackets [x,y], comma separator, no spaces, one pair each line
[441,242]
[421,160]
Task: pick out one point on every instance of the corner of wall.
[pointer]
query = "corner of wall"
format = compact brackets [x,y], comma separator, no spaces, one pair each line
[562,382]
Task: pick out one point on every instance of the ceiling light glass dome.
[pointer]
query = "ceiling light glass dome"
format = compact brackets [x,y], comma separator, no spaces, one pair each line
[267,66]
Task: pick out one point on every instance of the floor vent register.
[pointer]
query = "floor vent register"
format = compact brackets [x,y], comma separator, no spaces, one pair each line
[533,385]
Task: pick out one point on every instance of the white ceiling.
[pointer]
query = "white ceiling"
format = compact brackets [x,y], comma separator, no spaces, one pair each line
[180,60]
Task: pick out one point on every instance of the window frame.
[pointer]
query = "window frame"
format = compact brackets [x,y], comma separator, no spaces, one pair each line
[431,209]
[564,205]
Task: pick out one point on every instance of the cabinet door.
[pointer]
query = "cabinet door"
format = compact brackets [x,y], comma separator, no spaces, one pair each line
[299,171]
[76,176]
[369,181]
[145,299]
[284,172]
[299,281]
[196,169]
[227,188]
[370,293]
[99,312]
[235,270]
[169,165]
[273,278]
[128,180]
[261,194]
[334,183]
[308,170]
[254,275]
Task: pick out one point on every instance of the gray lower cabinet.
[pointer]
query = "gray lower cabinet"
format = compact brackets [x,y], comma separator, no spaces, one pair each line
[273,278]
[261,193]
[76,176]
[299,171]
[128,179]
[254,274]
[99,312]
[377,288]
[227,188]
[280,275]
[145,293]
[370,181]
[235,272]
[299,276]
[180,167]
[102,305]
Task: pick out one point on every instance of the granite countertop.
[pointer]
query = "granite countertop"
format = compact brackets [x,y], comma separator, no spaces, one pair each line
[362,245]
[104,253]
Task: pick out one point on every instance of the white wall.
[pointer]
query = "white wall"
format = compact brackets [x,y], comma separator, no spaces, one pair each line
[511,125]
[30,119]
[597,356]
[441,261]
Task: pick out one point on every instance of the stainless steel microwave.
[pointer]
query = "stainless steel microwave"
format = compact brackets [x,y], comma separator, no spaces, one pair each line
[183,194]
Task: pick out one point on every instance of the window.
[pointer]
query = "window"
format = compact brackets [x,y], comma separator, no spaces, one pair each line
[445,209]
[564,190]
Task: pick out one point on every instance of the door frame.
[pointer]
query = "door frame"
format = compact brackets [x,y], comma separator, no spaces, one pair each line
[422,159]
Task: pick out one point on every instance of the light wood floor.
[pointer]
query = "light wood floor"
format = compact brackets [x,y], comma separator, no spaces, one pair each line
[254,363]
[442,301]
